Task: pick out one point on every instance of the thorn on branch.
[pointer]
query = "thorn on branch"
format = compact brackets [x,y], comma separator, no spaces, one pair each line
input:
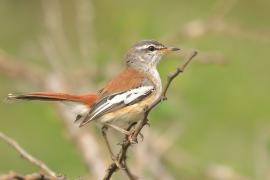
[179,70]
[164,98]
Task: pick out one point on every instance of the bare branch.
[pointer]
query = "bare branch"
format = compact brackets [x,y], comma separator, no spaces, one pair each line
[27,156]
[33,176]
[121,157]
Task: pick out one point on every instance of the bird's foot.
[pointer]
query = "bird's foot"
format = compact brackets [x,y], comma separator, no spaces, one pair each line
[132,139]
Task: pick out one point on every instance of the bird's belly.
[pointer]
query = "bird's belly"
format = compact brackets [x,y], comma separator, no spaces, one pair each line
[123,117]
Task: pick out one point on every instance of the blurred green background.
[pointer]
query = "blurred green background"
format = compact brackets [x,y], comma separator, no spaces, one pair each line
[221,104]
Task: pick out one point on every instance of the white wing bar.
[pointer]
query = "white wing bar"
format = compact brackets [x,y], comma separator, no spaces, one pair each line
[124,98]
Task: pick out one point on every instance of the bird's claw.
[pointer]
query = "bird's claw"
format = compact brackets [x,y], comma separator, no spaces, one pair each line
[147,124]
[141,136]
[132,139]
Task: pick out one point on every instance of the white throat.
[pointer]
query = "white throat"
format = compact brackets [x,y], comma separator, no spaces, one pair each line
[155,77]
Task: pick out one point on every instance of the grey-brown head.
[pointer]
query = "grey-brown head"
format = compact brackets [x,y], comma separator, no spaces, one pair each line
[147,54]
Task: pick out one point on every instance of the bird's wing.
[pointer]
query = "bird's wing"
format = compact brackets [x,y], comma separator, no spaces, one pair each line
[126,89]
[119,100]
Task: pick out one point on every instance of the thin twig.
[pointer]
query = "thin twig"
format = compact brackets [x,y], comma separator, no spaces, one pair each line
[124,157]
[105,137]
[27,156]
[121,157]
[33,176]
[128,172]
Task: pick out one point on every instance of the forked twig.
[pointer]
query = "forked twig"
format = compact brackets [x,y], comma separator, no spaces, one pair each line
[121,157]
[27,156]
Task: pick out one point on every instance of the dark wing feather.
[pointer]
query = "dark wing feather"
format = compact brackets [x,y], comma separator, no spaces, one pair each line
[116,101]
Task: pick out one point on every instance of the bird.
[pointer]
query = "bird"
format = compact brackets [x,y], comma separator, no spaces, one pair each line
[123,99]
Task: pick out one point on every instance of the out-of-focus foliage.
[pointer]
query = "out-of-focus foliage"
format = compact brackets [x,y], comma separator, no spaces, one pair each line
[222,112]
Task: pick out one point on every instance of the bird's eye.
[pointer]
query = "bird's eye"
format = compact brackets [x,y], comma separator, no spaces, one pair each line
[151,48]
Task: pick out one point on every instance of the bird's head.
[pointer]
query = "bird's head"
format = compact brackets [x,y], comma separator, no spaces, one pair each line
[147,54]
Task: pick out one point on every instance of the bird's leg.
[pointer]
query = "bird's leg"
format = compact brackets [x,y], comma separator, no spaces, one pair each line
[113,157]
[132,128]
[125,132]
[104,134]
[118,129]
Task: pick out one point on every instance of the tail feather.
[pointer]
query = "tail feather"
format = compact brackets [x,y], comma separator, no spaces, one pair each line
[47,96]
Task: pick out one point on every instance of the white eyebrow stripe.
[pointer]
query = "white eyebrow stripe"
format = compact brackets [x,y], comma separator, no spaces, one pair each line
[143,47]
[146,46]
[124,98]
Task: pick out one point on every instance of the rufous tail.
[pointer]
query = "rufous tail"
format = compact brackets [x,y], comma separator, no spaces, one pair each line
[48,96]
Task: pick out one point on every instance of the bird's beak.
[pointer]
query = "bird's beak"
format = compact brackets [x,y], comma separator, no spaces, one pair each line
[169,49]
[173,48]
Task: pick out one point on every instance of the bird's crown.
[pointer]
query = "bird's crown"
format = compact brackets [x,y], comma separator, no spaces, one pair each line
[150,45]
